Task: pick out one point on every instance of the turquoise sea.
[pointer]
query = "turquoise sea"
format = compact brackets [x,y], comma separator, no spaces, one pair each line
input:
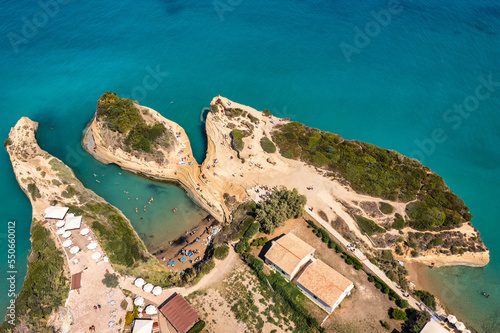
[415,81]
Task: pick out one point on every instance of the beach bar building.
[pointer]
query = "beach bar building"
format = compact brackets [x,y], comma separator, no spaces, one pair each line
[181,316]
[56,213]
[324,285]
[288,254]
[73,222]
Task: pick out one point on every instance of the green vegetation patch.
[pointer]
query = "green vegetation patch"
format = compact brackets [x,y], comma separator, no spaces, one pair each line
[118,240]
[45,287]
[142,137]
[237,142]
[386,208]
[399,222]
[281,206]
[427,298]
[120,114]
[368,226]
[267,145]
[198,327]
[34,191]
[377,172]
[221,252]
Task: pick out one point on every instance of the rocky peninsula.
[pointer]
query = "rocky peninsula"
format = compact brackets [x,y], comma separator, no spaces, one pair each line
[419,218]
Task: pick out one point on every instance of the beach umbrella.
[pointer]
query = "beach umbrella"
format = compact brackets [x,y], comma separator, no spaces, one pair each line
[105,259]
[96,256]
[140,309]
[60,224]
[151,309]
[84,231]
[466,331]
[74,250]
[67,234]
[452,319]
[139,301]
[460,326]
[139,282]
[67,243]
[148,287]
[92,246]
[157,290]
[59,232]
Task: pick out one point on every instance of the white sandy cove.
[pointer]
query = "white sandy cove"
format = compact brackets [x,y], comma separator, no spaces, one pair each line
[232,176]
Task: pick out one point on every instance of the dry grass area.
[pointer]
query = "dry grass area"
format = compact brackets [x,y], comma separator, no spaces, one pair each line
[236,304]
[367,306]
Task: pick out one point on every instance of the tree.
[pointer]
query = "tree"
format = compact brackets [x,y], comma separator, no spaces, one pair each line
[398,314]
[427,298]
[281,206]
[403,304]
[110,280]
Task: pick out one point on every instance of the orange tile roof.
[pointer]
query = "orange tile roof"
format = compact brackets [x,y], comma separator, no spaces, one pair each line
[288,251]
[324,282]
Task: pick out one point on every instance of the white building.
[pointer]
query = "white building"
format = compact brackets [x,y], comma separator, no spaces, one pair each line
[324,285]
[288,254]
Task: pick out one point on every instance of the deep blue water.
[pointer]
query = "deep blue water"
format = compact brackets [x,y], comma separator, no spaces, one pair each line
[396,89]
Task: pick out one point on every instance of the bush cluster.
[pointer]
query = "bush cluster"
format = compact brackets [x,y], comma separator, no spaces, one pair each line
[267,145]
[45,287]
[281,206]
[378,172]
[221,252]
[368,226]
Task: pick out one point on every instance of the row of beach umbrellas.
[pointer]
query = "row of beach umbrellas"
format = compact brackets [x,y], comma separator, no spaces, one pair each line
[458,324]
[148,287]
[150,309]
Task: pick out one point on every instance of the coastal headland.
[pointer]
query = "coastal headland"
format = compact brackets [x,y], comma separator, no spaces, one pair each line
[247,151]
[49,182]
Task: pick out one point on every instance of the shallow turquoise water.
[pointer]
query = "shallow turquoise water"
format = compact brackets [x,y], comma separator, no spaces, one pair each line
[284,56]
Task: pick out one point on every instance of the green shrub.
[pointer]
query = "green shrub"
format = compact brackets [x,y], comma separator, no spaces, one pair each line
[403,304]
[207,267]
[386,208]
[398,314]
[427,298]
[237,142]
[385,290]
[242,246]
[198,327]
[34,191]
[368,226]
[221,252]
[414,253]
[255,263]
[378,285]
[259,242]
[386,325]
[399,222]
[254,228]
[267,145]
[110,280]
